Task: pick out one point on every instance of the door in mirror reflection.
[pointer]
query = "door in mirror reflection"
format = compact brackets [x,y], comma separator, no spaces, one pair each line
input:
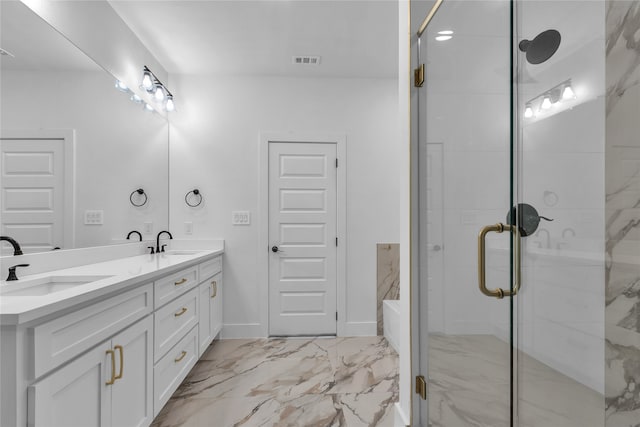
[36,199]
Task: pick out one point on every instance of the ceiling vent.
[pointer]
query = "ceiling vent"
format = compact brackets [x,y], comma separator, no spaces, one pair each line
[6,53]
[306,60]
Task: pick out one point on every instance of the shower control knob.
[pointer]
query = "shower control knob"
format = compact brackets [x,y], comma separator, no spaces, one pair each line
[274,249]
[437,248]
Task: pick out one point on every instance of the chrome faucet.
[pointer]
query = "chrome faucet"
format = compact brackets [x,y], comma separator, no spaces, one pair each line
[134,232]
[158,248]
[16,246]
[548,236]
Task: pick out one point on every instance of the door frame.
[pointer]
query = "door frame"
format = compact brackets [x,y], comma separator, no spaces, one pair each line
[341,219]
[69,141]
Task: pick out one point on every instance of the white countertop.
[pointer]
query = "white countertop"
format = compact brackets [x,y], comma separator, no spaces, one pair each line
[123,272]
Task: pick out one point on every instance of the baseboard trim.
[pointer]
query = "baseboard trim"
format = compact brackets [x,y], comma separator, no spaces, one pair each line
[401,420]
[360,329]
[242,330]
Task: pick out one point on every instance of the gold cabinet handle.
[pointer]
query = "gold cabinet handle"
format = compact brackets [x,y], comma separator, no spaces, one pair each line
[214,289]
[179,358]
[180,282]
[113,367]
[181,312]
[121,351]
[498,292]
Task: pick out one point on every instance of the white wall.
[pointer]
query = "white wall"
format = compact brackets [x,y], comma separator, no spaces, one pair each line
[215,138]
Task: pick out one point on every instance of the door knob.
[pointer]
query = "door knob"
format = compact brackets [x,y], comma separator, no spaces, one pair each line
[274,249]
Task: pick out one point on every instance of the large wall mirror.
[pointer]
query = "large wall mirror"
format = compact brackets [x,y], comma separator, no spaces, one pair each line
[74,149]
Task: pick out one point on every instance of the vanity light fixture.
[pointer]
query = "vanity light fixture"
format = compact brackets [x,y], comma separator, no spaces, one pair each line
[567,92]
[528,111]
[147,80]
[135,98]
[553,97]
[122,86]
[147,107]
[546,102]
[158,95]
[169,105]
[153,85]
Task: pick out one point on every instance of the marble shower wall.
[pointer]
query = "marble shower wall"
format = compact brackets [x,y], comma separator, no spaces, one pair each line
[622,313]
[388,276]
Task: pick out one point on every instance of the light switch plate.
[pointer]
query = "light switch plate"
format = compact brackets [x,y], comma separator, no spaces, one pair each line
[240,218]
[93,217]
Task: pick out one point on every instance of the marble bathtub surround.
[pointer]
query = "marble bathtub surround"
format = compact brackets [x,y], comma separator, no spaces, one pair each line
[622,185]
[388,276]
[288,382]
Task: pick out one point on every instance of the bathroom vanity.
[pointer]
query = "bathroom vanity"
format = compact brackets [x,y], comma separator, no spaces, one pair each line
[106,344]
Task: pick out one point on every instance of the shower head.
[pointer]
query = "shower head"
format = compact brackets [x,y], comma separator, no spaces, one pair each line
[542,47]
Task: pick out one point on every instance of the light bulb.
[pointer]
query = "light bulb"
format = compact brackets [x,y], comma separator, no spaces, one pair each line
[528,112]
[159,93]
[148,107]
[568,93]
[169,105]
[147,81]
[121,86]
[546,103]
[443,38]
[135,98]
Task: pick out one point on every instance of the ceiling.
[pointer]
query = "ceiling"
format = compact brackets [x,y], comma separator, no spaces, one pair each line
[34,44]
[357,38]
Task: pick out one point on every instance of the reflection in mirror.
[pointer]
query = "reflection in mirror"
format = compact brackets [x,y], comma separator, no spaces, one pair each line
[73,147]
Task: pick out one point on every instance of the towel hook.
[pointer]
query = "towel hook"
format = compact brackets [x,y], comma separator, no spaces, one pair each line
[197,194]
[141,192]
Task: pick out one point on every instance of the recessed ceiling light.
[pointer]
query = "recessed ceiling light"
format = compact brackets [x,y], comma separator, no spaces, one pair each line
[443,38]
[445,32]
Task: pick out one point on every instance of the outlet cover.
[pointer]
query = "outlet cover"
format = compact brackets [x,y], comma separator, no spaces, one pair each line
[188,227]
[93,217]
[240,218]
[147,228]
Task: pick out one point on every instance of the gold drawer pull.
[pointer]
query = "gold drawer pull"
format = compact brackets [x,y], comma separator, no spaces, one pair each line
[180,282]
[121,350]
[179,358]
[181,312]
[214,289]
[113,367]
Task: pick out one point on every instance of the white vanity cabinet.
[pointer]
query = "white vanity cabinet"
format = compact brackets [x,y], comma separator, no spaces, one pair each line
[108,386]
[113,360]
[210,290]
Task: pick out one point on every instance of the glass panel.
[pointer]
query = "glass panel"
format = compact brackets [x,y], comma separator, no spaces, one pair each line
[560,309]
[464,154]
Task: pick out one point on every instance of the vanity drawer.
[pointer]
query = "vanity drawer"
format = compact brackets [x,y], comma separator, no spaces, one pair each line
[171,286]
[210,268]
[172,322]
[61,339]
[169,372]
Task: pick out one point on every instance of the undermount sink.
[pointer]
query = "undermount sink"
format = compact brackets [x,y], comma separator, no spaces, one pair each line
[183,253]
[46,285]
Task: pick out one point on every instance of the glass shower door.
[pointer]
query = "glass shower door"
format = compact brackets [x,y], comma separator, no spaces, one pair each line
[464,269]
[560,104]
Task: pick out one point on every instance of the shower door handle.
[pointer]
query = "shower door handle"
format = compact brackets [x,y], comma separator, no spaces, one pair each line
[498,292]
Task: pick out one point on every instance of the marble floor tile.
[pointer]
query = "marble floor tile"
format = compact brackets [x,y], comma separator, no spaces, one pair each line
[345,382]
[469,387]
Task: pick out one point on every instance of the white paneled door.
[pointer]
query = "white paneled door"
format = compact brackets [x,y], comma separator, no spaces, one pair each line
[33,192]
[302,238]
